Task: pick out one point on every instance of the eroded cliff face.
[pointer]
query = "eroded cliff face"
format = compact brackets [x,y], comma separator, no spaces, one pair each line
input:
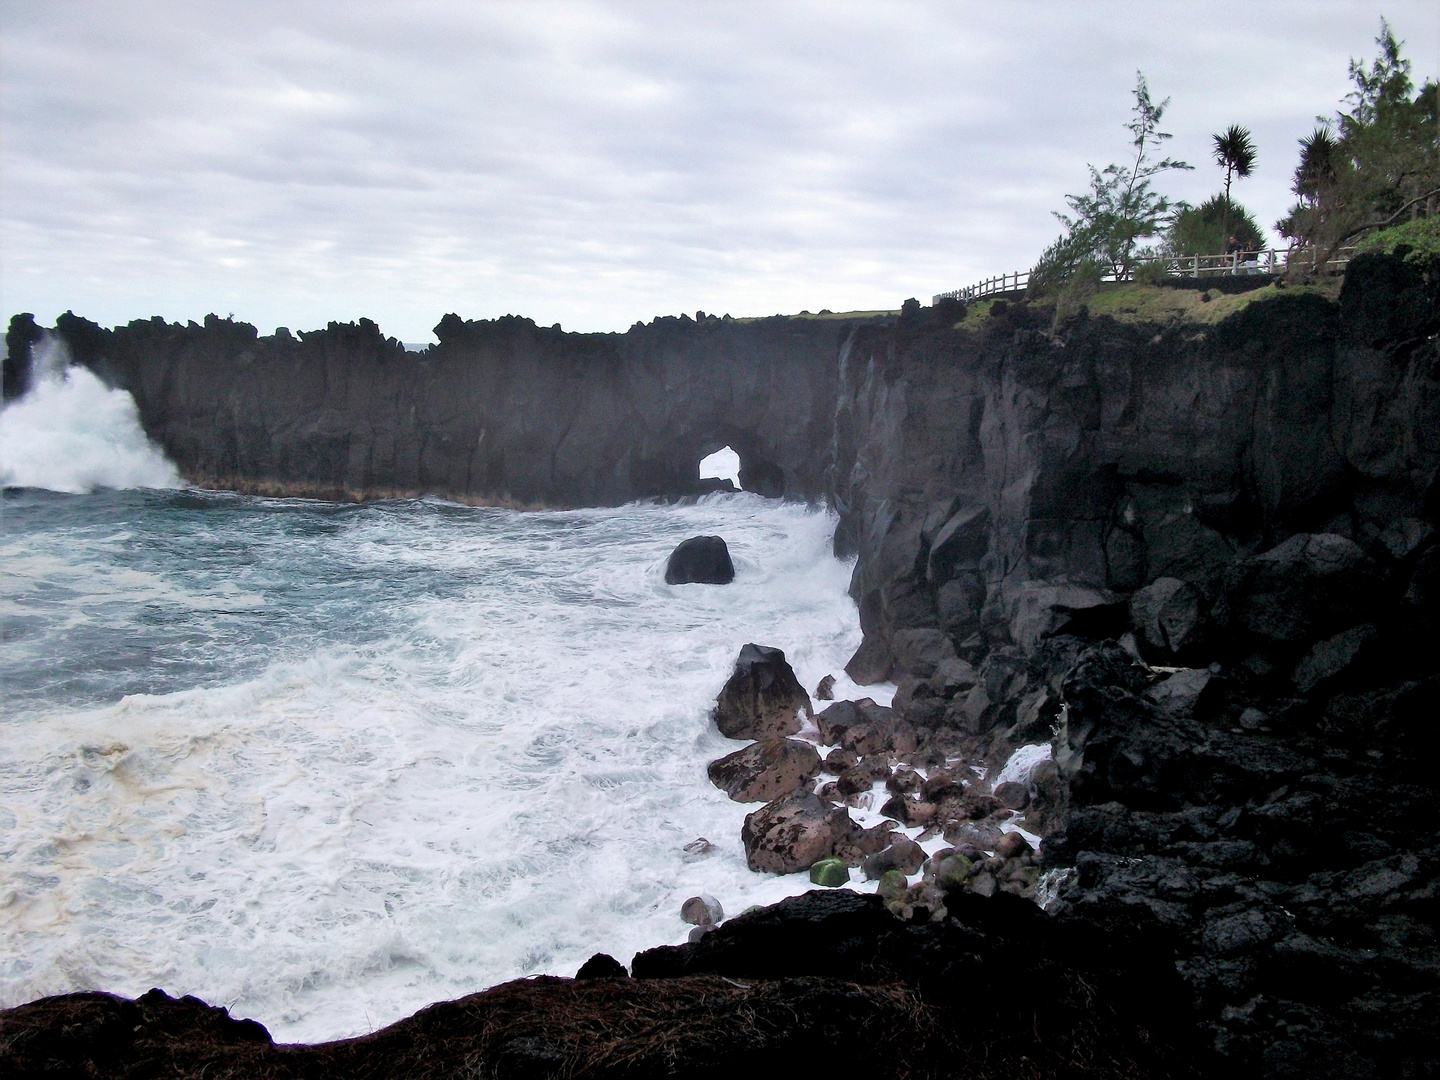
[1201,563]
[501,410]
[1106,456]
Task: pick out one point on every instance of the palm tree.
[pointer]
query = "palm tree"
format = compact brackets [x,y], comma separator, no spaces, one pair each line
[1235,153]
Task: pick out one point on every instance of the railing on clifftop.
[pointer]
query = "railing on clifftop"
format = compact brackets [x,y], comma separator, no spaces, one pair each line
[1236,264]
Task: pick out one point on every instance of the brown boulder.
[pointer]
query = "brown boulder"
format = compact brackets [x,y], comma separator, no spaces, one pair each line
[791,833]
[765,770]
[762,699]
[903,854]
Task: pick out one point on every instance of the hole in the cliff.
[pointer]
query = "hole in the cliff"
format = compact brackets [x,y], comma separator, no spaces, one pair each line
[723,464]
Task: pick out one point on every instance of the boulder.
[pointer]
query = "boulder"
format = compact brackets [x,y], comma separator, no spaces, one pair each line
[765,770]
[703,560]
[1166,614]
[904,855]
[1310,586]
[919,652]
[830,873]
[1178,694]
[825,691]
[1013,795]
[1040,610]
[762,699]
[951,676]
[602,966]
[871,663]
[702,911]
[1330,657]
[792,833]
[1012,845]
[864,727]
[892,885]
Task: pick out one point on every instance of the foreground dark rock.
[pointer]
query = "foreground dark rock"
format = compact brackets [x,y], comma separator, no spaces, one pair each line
[703,560]
[996,992]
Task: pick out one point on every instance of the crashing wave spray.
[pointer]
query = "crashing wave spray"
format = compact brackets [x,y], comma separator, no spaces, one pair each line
[70,432]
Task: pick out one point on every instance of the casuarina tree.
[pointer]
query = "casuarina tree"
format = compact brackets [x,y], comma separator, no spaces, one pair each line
[1121,207]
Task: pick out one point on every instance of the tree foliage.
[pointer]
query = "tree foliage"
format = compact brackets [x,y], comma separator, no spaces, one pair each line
[1374,165]
[1205,229]
[1121,208]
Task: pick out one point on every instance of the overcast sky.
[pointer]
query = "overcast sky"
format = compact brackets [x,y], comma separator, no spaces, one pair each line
[597,163]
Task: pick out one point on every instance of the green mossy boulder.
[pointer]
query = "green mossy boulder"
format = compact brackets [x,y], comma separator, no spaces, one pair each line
[830,872]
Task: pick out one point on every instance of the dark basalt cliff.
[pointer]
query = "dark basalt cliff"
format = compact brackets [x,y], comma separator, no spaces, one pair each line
[1200,560]
[501,410]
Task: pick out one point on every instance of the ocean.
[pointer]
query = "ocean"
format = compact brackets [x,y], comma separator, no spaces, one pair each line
[324,764]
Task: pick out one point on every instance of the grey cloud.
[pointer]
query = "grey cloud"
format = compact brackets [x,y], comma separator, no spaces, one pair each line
[597,163]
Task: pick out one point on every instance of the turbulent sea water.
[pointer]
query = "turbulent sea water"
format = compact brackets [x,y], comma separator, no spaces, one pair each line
[324,764]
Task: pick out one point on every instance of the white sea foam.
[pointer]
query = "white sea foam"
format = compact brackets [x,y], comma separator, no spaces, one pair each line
[472,747]
[72,433]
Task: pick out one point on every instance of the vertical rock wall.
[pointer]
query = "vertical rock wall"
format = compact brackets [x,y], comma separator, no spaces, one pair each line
[498,410]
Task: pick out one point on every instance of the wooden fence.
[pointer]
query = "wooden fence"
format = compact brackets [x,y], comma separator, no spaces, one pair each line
[1236,264]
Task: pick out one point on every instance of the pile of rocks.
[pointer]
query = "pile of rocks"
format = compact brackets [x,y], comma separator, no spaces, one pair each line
[873,761]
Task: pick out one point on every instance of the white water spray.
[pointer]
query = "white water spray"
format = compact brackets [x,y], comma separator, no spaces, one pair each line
[70,432]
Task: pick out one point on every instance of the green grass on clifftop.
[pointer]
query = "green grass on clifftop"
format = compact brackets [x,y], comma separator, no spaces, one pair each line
[1130,302]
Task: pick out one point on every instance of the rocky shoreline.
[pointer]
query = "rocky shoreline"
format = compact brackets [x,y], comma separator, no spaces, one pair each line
[1160,600]
[825,981]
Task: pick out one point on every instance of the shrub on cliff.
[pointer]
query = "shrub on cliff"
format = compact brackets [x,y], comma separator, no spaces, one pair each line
[1378,165]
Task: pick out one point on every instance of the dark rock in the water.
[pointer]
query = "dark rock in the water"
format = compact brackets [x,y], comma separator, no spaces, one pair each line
[697,849]
[1310,586]
[871,663]
[762,699]
[20,339]
[602,966]
[864,727]
[792,833]
[701,560]
[765,770]
[702,911]
[763,478]
[825,690]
